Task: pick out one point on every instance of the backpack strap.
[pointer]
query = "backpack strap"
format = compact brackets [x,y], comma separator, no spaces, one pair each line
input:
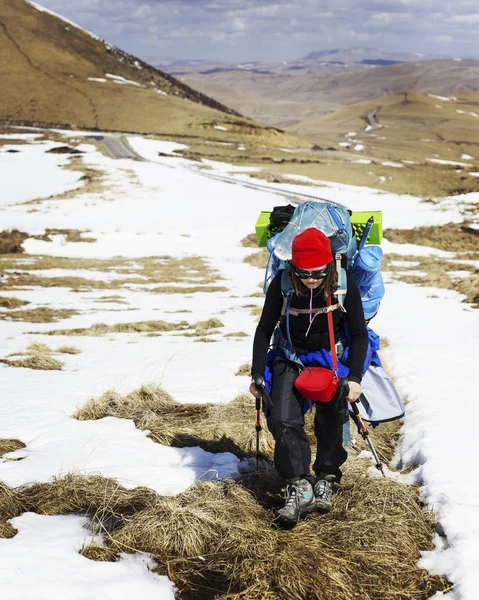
[286,285]
[340,293]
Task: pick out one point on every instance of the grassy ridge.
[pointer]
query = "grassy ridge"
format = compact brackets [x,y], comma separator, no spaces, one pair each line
[48,73]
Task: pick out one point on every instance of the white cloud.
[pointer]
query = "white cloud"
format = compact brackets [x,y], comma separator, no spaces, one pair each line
[141,26]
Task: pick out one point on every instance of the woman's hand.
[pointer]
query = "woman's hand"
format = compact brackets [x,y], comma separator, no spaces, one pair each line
[354,391]
[254,390]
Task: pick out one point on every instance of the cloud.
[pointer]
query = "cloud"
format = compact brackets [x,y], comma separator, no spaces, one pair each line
[274,29]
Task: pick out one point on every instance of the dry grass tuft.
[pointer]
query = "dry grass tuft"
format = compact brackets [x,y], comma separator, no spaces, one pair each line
[140,327]
[35,361]
[9,445]
[213,427]
[244,370]
[367,546]
[40,315]
[11,505]
[38,348]
[11,242]
[250,241]
[257,259]
[238,334]
[99,553]
[198,329]
[191,289]
[100,498]
[11,302]
[205,327]
[112,299]
[68,350]
[192,272]
[453,237]
[216,540]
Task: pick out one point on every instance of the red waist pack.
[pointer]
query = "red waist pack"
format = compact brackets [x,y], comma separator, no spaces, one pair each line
[317,383]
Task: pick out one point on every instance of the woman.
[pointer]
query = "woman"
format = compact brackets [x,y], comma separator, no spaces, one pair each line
[313,276]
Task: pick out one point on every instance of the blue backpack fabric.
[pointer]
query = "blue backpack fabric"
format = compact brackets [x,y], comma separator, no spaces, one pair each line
[334,221]
[367,275]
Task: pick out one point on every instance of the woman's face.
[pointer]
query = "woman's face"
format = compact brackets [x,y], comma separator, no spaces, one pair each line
[310,278]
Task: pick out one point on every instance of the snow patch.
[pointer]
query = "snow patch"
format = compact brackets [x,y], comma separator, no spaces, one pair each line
[444,98]
[447,162]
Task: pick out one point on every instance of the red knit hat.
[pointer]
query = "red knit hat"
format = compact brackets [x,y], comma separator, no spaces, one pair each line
[311,249]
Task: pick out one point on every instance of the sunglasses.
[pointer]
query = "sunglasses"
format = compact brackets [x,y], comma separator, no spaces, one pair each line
[318,274]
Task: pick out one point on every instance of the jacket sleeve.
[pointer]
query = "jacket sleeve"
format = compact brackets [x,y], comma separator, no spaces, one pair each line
[357,331]
[269,318]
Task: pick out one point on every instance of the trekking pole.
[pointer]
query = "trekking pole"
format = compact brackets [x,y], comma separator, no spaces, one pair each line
[259,384]
[365,435]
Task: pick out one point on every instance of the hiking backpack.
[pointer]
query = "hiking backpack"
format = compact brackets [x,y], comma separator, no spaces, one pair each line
[347,245]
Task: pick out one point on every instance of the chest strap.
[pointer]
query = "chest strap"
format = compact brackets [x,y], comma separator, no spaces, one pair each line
[305,311]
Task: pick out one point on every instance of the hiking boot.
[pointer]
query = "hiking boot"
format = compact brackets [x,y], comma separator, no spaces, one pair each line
[323,490]
[299,502]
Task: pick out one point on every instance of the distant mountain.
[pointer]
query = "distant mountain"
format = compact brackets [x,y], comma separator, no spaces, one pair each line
[52,72]
[361,55]
[284,93]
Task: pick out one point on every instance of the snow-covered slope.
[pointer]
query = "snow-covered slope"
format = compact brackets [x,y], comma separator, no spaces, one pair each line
[166,208]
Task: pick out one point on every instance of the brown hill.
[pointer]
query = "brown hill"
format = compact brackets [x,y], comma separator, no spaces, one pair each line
[53,72]
[283,95]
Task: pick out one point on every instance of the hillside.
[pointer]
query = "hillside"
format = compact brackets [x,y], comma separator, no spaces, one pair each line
[54,72]
[285,94]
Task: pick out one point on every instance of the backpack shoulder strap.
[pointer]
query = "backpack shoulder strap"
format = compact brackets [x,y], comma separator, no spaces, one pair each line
[286,285]
[341,292]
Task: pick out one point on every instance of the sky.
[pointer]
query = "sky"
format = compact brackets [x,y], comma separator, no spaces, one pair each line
[249,30]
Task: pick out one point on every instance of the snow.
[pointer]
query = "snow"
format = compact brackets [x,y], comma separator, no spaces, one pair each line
[99,79]
[150,148]
[438,437]
[474,173]
[447,162]
[122,81]
[444,98]
[361,161]
[20,136]
[467,157]
[45,177]
[61,572]
[163,206]
[359,147]
[390,163]
[220,128]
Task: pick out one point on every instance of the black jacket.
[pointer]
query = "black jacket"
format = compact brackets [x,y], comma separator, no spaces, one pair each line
[318,336]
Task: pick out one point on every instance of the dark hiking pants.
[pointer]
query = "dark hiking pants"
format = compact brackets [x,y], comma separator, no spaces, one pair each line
[292,453]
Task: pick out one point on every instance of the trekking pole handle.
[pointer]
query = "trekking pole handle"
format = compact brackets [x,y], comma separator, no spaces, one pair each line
[259,382]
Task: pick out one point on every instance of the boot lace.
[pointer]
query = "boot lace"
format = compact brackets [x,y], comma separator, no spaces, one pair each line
[322,488]
[292,496]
